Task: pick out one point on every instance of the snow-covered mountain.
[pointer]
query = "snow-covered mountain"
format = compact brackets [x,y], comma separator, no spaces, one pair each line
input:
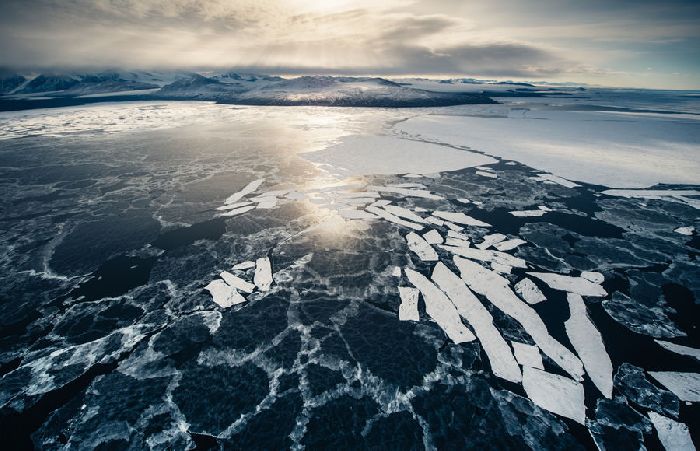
[233,87]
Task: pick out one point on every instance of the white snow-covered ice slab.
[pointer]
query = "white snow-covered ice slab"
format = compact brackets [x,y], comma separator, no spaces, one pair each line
[688,231]
[440,308]
[236,282]
[470,308]
[679,349]
[527,213]
[392,218]
[555,393]
[421,247]
[487,174]
[249,188]
[589,345]
[556,179]
[495,288]
[408,310]
[509,245]
[223,294]
[238,211]
[658,194]
[486,255]
[527,355]
[674,436]
[593,276]
[433,237]
[263,273]
[684,385]
[527,290]
[456,242]
[490,240]
[267,203]
[570,284]
[501,268]
[233,206]
[396,272]
[404,213]
[244,265]
[460,218]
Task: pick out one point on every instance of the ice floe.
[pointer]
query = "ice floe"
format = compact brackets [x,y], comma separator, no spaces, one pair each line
[375,210]
[433,237]
[589,346]
[460,218]
[407,192]
[593,276]
[556,179]
[487,174]
[440,308]
[421,247]
[527,355]
[236,282]
[495,288]
[527,290]
[674,436]
[404,213]
[578,285]
[555,393]
[223,294]
[688,231]
[263,274]
[509,245]
[679,349]
[528,213]
[351,213]
[238,211]
[684,385]
[248,189]
[396,272]
[486,255]
[490,240]
[658,194]
[503,363]
[244,265]
[408,310]
[641,318]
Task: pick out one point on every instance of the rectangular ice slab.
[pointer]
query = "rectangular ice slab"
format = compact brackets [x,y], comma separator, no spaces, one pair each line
[408,310]
[577,285]
[509,245]
[557,394]
[527,355]
[421,247]
[495,288]
[263,273]
[249,188]
[589,345]
[392,218]
[527,290]
[440,308]
[433,237]
[673,436]
[503,363]
[236,282]
[486,255]
[460,218]
[684,385]
[223,294]
[490,240]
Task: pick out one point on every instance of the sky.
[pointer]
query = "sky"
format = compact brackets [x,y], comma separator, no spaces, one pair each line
[636,43]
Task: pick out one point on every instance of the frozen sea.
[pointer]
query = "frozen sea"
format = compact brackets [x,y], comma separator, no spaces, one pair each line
[188,275]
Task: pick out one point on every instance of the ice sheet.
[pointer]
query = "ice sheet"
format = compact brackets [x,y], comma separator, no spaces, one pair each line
[570,284]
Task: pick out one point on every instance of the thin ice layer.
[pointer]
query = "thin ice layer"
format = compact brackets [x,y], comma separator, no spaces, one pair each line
[555,393]
[503,363]
[589,345]
[249,188]
[495,288]
[570,284]
[440,308]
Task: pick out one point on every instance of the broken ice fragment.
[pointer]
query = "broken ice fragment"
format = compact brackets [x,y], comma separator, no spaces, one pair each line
[396,272]
[570,284]
[632,383]
[673,436]
[509,244]
[440,308]
[223,294]
[685,230]
[486,255]
[527,355]
[556,179]
[238,211]
[433,237]
[267,203]
[594,277]
[589,345]
[236,282]
[408,310]
[501,268]
[495,288]
[487,174]
[640,318]
[684,385]
[460,218]
[249,188]
[244,265]
[391,218]
[527,213]
[527,290]
[406,192]
[490,240]
[263,273]
[679,349]
[470,308]
[421,247]
[555,393]
[232,206]
[404,213]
